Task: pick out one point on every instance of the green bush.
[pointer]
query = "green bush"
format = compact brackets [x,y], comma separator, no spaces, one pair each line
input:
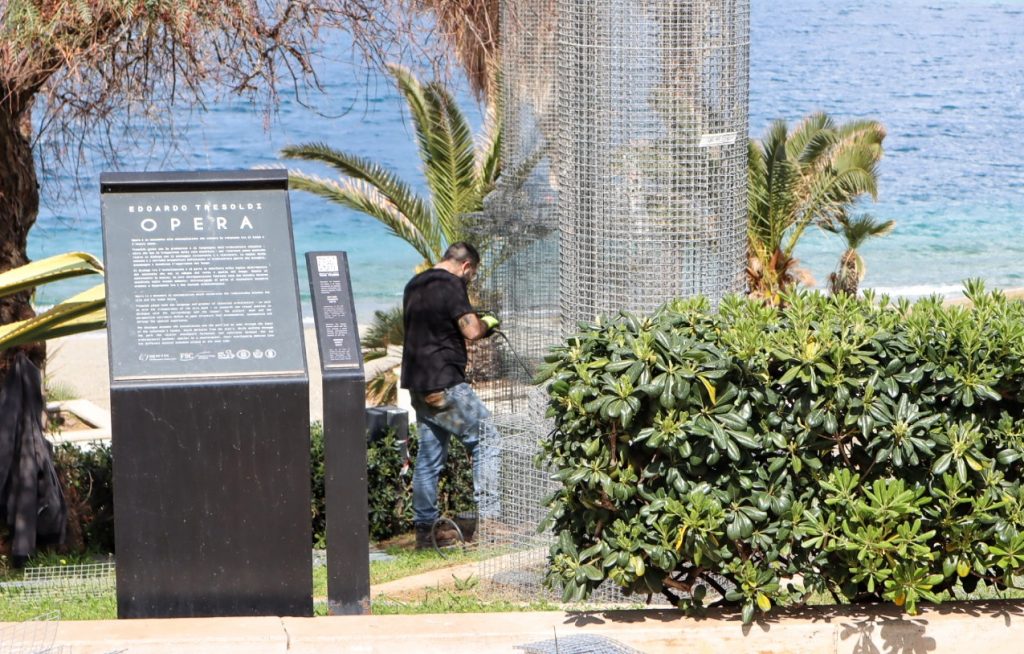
[86,477]
[87,480]
[867,448]
[389,486]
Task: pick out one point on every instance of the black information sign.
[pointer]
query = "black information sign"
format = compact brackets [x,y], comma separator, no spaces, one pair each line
[344,391]
[333,310]
[200,280]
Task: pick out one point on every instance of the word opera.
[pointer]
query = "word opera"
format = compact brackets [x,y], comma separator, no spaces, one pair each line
[199,223]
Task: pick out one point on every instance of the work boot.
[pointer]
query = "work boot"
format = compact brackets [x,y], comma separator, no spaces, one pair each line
[443,536]
[467,525]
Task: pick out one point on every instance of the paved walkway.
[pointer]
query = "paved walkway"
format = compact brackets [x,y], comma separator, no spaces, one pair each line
[953,628]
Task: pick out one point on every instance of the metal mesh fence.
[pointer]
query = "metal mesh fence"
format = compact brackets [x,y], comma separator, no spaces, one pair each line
[34,636]
[524,485]
[652,152]
[624,169]
[578,644]
[62,582]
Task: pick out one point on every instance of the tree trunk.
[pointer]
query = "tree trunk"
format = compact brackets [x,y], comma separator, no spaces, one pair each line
[847,278]
[19,205]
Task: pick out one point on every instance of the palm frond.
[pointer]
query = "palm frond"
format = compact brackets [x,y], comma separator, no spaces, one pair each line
[387,328]
[382,389]
[816,148]
[757,188]
[450,171]
[770,189]
[861,147]
[412,90]
[488,150]
[782,201]
[865,131]
[857,230]
[774,152]
[364,197]
[806,130]
[397,191]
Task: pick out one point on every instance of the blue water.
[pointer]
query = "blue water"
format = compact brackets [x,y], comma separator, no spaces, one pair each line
[946,77]
[947,80]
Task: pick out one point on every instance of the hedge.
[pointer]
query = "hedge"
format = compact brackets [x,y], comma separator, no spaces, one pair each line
[86,478]
[861,449]
[389,486]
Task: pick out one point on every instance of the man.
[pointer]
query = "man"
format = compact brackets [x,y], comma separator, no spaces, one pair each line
[438,321]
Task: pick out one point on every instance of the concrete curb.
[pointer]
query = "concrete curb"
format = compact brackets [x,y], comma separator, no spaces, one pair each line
[956,627]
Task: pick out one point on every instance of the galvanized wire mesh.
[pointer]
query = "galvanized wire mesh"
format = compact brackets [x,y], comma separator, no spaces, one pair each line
[35,636]
[652,152]
[525,483]
[519,223]
[523,488]
[62,582]
[578,644]
[623,186]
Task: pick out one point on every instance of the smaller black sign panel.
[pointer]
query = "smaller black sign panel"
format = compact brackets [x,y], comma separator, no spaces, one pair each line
[201,283]
[333,310]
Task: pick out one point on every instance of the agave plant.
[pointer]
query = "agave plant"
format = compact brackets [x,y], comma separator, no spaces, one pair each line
[83,312]
[459,172]
[809,176]
[855,231]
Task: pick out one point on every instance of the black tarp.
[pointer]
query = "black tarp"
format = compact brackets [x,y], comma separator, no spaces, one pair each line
[31,500]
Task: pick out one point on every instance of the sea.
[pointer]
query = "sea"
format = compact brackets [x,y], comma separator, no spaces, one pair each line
[946,77]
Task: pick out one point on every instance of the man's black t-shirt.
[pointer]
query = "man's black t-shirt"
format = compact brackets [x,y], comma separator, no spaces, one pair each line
[434,354]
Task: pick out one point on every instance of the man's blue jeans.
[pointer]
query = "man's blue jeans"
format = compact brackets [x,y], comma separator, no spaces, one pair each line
[463,415]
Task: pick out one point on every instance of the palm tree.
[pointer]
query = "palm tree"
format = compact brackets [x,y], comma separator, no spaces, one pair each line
[459,172]
[470,30]
[855,231]
[810,176]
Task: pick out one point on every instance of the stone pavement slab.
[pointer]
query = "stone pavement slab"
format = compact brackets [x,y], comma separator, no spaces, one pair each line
[961,628]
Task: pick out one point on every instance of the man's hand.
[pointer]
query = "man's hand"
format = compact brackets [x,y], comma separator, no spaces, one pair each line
[490,320]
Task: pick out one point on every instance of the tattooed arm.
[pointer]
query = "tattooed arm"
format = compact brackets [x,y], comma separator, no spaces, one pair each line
[472,327]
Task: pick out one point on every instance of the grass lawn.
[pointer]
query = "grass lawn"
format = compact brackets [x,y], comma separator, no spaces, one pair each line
[464,596]
[407,562]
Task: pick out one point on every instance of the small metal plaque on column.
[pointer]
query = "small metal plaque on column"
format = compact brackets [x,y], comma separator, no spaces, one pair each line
[334,311]
[344,392]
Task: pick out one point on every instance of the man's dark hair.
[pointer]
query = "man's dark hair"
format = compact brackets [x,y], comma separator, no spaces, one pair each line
[462,252]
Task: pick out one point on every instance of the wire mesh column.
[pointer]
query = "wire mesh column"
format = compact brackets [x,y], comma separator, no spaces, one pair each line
[519,223]
[652,110]
[623,185]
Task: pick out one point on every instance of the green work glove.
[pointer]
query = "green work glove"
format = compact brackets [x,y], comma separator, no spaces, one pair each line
[491,321]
